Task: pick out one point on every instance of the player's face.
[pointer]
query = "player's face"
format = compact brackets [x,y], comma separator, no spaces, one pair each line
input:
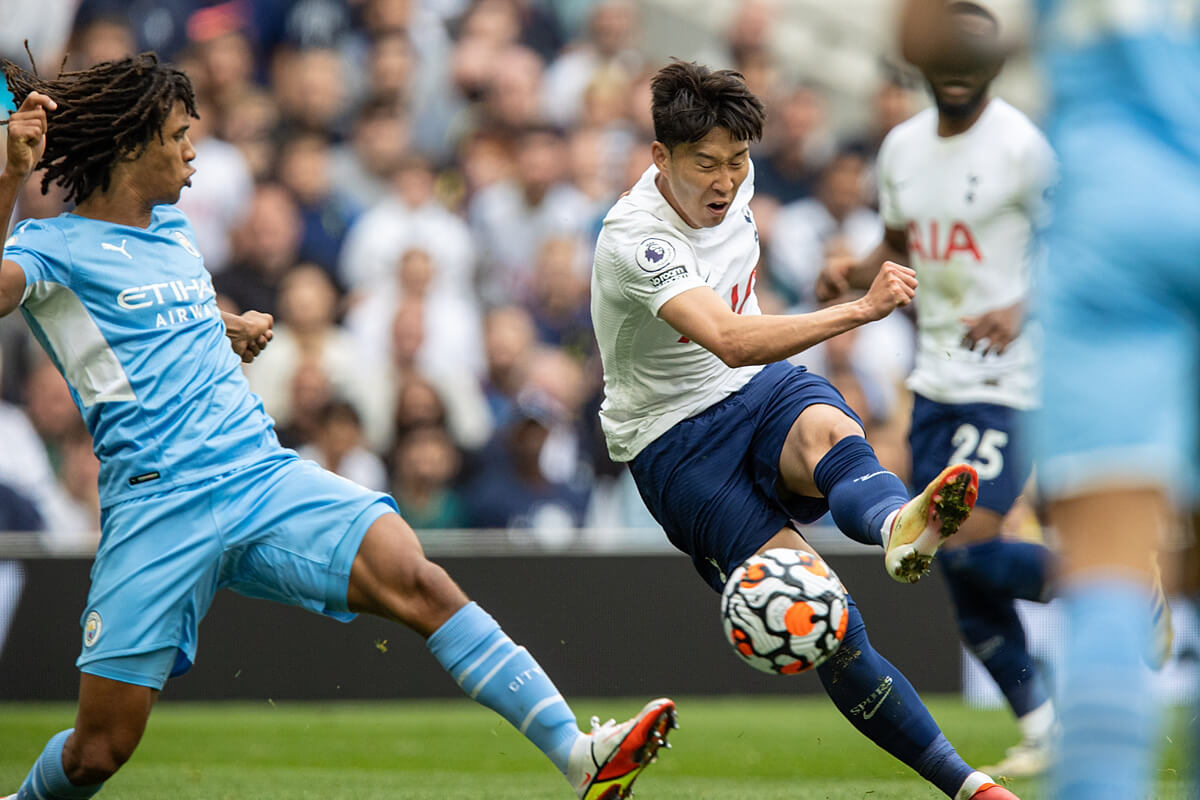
[164,168]
[700,179]
[960,83]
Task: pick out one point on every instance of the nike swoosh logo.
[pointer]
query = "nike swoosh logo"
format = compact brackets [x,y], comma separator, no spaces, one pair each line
[870,713]
[872,475]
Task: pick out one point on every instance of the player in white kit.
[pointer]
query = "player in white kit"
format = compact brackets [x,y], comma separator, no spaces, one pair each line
[731,447]
[962,190]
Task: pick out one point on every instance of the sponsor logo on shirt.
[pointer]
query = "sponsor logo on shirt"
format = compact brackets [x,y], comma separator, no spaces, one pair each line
[184,300]
[673,274]
[654,254]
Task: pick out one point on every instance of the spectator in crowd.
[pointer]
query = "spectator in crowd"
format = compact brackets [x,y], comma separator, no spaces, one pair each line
[76,517]
[338,446]
[225,54]
[265,246]
[18,514]
[378,141]
[411,217]
[249,120]
[509,336]
[305,330]
[50,408]
[426,463]
[392,68]
[47,460]
[511,219]
[452,337]
[610,45]
[308,392]
[892,103]
[558,382]
[460,396]
[806,232]
[559,302]
[105,35]
[796,146]
[326,213]
[309,85]
[511,491]
[220,192]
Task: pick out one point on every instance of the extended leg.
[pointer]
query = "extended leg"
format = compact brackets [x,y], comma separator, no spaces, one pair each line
[392,578]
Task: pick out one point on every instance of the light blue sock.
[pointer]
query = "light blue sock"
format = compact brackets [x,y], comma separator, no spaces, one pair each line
[1107,709]
[501,675]
[48,781]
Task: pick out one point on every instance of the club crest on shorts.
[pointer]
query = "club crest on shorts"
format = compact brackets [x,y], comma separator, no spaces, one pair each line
[654,254]
[91,628]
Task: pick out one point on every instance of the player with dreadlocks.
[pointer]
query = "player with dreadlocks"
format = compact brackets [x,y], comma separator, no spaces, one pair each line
[197,494]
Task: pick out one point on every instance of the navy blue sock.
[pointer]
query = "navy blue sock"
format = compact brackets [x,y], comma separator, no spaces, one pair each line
[48,780]
[988,622]
[882,704]
[860,492]
[1004,567]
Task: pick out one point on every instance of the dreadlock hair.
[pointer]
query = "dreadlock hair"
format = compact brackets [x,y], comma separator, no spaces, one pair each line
[104,112]
[689,100]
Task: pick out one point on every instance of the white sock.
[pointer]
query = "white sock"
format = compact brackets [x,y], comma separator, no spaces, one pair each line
[971,785]
[1037,725]
[887,527]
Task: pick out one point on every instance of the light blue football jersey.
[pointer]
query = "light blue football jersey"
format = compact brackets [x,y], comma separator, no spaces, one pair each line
[128,315]
[1110,63]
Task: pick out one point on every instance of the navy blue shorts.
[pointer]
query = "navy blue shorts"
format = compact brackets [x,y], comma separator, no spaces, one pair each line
[711,480]
[985,435]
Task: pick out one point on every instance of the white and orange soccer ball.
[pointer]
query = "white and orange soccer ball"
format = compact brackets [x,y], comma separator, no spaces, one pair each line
[784,611]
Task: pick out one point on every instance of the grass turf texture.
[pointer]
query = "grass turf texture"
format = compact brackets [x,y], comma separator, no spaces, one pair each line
[727,749]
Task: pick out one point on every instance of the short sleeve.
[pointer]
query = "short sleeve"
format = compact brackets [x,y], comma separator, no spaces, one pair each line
[1041,177]
[652,268]
[889,208]
[40,252]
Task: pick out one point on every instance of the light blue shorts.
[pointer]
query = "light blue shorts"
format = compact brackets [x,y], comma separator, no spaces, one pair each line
[1120,306]
[282,529]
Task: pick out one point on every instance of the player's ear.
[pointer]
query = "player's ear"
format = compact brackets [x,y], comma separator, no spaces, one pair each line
[660,154]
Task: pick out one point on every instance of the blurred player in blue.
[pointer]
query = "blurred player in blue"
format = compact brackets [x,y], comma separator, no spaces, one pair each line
[1120,300]
[962,190]
[196,492]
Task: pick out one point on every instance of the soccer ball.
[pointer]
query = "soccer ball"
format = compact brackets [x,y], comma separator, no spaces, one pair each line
[784,611]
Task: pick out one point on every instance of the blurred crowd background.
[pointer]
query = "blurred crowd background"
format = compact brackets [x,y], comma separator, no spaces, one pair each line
[414,187]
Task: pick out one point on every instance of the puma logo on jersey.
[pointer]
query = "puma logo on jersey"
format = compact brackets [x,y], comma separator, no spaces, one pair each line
[115,249]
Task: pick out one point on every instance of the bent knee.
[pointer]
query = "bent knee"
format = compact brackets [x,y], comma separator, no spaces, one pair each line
[95,759]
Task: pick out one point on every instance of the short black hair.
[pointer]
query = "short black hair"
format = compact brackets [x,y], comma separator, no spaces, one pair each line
[104,112]
[689,100]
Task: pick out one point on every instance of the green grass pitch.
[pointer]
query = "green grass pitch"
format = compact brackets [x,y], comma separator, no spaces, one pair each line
[773,748]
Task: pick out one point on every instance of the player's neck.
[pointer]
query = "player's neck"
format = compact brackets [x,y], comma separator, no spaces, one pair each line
[953,125]
[119,205]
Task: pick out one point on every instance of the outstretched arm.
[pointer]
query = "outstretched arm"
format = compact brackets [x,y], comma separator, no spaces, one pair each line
[26,143]
[248,333]
[702,316]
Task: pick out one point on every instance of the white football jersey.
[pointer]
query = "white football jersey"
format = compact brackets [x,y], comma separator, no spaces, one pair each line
[645,255]
[970,204]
